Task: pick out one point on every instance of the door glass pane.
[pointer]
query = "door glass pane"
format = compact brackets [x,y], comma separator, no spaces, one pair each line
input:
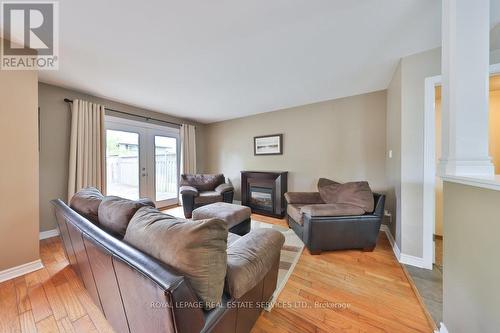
[165,168]
[122,164]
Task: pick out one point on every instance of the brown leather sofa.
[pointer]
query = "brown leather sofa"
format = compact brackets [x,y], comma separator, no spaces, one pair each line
[138,293]
[202,189]
[326,227]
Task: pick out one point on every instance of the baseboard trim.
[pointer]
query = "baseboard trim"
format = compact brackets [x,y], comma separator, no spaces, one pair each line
[14,272]
[412,260]
[442,328]
[49,233]
[402,258]
[395,247]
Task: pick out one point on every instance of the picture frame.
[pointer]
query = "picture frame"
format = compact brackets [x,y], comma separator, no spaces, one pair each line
[268,145]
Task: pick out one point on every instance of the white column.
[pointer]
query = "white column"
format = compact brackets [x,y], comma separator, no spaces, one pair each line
[465,88]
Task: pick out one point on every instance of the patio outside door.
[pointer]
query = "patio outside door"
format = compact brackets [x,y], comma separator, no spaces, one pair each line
[142,160]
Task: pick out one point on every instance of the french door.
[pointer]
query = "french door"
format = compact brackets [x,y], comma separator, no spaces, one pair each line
[142,160]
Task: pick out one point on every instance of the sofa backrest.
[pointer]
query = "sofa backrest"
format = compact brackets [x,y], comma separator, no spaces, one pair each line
[125,283]
[202,182]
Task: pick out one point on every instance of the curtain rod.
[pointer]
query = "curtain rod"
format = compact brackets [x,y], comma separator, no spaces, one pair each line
[67,100]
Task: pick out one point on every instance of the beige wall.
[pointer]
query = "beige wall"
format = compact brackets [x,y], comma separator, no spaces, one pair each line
[54,143]
[393,164]
[471,290]
[342,139]
[18,168]
[415,69]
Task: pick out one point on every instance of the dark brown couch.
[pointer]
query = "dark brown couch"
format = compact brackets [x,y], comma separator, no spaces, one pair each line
[202,189]
[138,293]
[325,227]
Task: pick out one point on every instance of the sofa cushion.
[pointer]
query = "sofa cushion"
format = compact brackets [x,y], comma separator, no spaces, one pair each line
[197,249]
[86,203]
[250,258]
[293,210]
[303,198]
[354,193]
[223,188]
[202,182]
[325,182]
[231,214]
[231,238]
[331,210]
[115,213]
[208,197]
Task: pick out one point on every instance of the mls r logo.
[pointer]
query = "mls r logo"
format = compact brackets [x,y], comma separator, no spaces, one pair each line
[28,27]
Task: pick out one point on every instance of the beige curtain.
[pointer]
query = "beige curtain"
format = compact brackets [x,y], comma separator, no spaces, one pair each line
[188,149]
[86,154]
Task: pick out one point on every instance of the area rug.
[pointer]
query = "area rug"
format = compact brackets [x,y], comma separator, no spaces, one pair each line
[290,254]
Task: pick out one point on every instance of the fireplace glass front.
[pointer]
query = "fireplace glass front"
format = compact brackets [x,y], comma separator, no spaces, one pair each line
[261,198]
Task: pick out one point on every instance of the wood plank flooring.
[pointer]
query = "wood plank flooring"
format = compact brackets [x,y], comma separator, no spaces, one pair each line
[344,291]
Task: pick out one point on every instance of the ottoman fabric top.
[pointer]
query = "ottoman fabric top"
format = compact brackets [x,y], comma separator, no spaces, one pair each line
[231,214]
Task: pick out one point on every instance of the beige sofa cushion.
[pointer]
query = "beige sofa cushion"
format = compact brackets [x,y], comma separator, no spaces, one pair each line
[293,210]
[196,249]
[115,213]
[208,197]
[356,194]
[86,203]
[303,198]
[331,210]
[250,258]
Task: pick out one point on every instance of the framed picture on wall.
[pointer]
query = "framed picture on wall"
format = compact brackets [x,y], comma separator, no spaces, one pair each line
[268,144]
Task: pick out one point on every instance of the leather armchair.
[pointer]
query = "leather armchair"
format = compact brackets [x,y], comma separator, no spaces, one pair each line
[202,189]
[311,219]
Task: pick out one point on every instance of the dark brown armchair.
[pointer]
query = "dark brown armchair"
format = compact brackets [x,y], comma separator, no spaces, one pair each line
[203,189]
[333,226]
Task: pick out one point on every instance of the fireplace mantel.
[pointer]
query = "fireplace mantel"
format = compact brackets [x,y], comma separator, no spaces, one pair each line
[263,192]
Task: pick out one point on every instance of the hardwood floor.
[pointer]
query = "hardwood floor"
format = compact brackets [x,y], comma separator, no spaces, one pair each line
[51,299]
[354,291]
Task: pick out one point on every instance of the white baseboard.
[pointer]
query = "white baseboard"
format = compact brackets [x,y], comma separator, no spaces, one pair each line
[402,258]
[412,260]
[14,272]
[442,329]
[395,247]
[49,233]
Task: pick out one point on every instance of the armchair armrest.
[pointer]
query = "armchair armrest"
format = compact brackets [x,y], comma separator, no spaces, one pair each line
[303,198]
[188,190]
[331,210]
[223,188]
[250,258]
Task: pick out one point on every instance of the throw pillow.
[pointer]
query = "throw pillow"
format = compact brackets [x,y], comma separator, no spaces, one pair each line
[115,213]
[86,203]
[356,194]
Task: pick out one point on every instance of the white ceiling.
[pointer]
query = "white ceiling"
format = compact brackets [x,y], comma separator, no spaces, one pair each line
[223,59]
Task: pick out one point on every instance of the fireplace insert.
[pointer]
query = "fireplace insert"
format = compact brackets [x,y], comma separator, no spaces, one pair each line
[261,198]
[263,192]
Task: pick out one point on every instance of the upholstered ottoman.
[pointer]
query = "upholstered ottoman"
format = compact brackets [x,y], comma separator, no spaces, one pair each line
[237,217]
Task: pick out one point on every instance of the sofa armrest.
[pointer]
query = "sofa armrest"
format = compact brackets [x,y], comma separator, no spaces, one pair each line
[250,258]
[303,198]
[188,190]
[331,210]
[223,188]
